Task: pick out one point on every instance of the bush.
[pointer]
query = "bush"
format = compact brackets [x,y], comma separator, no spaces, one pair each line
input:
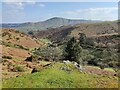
[30,33]
[52,53]
[29,58]
[33,58]
[20,46]
[18,69]
[16,31]
[17,38]
[7,57]
[85,41]
[86,56]
[5,33]
[90,42]
[104,58]
[35,70]
[102,66]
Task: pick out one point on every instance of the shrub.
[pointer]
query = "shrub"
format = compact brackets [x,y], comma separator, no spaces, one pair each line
[33,58]
[7,44]
[86,56]
[7,57]
[17,38]
[18,69]
[16,31]
[29,58]
[90,42]
[85,41]
[30,33]
[102,66]
[5,33]
[52,53]
[35,70]
[20,46]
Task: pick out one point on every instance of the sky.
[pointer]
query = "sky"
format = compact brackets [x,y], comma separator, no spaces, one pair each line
[19,12]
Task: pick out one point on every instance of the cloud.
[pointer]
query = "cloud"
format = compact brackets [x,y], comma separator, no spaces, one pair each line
[15,11]
[42,5]
[18,0]
[104,13]
[62,0]
[16,5]
[12,11]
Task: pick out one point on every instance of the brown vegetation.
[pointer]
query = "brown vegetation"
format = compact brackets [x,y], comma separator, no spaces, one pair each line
[18,38]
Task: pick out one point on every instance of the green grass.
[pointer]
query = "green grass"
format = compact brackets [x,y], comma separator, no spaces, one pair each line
[109,69]
[17,59]
[9,44]
[44,62]
[55,77]
[45,40]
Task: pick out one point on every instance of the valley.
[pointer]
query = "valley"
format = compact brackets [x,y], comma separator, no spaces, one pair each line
[52,57]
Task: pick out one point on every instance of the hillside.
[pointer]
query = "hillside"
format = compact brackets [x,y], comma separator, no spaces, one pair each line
[59,75]
[16,47]
[13,37]
[36,59]
[90,29]
[43,25]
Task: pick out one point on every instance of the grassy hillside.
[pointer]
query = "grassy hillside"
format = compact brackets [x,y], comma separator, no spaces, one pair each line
[60,75]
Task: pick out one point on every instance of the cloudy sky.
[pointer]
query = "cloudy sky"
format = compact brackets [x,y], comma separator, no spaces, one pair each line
[13,12]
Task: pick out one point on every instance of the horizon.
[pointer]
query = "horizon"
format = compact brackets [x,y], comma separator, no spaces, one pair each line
[51,18]
[23,12]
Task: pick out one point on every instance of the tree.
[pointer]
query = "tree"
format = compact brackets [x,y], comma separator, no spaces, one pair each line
[82,39]
[85,41]
[69,48]
[90,42]
[73,50]
[76,53]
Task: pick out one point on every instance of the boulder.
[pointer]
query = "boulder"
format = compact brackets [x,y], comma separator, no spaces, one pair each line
[66,62]
[78,66]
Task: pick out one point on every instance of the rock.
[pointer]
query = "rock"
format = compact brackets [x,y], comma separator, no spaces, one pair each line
[66,62]
[78,66]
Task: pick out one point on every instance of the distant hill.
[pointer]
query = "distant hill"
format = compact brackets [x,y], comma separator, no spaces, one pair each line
[103,31]
[90,29]
[43,25]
